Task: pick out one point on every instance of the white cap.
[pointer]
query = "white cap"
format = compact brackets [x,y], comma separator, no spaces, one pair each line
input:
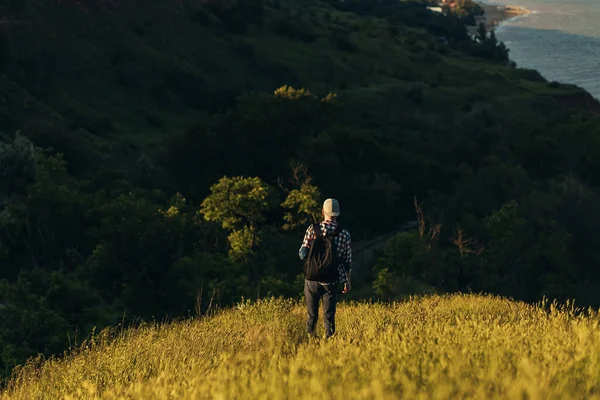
[331,208]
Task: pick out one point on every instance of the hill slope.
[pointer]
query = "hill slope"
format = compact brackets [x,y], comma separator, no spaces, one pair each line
[150,103]
[434,347]
[110,79]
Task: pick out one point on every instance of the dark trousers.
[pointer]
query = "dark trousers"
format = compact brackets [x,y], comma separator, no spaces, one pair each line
[313,291]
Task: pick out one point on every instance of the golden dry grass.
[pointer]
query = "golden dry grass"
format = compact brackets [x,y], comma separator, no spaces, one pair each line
[438,347]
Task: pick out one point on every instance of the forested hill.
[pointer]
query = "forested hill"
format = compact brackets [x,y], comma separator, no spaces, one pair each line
[118,117]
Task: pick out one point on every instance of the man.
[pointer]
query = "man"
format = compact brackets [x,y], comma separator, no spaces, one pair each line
[314,290]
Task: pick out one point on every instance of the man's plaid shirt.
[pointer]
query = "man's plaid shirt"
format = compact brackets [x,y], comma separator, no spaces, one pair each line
[343,246]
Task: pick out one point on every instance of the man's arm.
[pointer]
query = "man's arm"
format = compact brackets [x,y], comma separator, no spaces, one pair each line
[347,262]
[303,252]
[308,237]
[348,255]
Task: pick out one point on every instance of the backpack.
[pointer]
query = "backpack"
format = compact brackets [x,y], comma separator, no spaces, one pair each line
[322,262]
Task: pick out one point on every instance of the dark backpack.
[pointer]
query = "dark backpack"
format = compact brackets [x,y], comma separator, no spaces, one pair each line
[322,262]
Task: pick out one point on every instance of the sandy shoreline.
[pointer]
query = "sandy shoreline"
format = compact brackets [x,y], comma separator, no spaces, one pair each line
[494,14]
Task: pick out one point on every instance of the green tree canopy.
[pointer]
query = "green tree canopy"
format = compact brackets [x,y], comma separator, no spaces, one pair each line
[237,202]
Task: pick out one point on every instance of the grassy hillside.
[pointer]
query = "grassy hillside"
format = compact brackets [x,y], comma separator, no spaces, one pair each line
[461,346]
[147,104]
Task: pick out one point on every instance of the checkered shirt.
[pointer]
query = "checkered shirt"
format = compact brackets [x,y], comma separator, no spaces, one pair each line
[343,246]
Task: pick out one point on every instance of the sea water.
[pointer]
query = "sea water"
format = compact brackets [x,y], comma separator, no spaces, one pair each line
[561,39]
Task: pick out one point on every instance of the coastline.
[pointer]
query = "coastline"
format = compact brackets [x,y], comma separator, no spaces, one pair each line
[495,14]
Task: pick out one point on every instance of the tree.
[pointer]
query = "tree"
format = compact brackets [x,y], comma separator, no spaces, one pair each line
[18,166]
[481,33]
[527,249]
[239,204]
[489,46]
[303,202]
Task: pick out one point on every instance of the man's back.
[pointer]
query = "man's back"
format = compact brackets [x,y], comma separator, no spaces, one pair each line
[342,243]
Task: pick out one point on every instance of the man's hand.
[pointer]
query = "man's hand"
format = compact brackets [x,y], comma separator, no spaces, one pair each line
[347,288]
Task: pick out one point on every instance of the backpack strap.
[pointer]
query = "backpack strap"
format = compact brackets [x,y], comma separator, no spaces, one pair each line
[317,230]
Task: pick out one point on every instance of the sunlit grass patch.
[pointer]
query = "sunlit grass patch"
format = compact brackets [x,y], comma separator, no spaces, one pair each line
[433,347]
